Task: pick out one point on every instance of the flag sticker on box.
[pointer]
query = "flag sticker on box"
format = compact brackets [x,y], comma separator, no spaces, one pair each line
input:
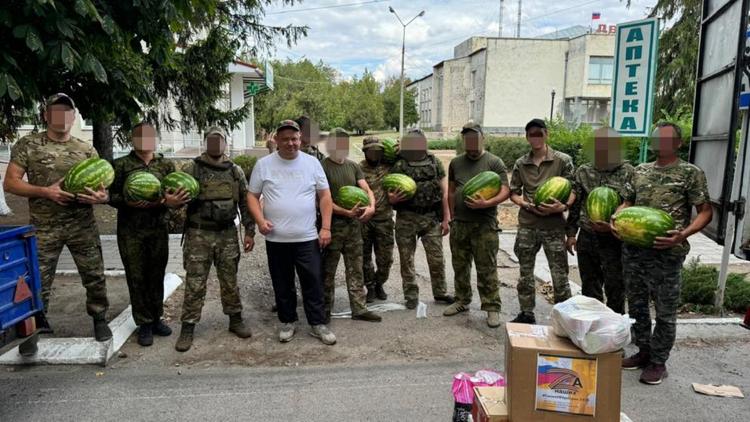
[566,384]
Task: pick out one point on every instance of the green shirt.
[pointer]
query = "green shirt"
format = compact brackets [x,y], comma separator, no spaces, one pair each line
[46,161]
[132,217]
[527,177]
[347,173]
[588,178]
[374,177]
[460,171]
[675,188]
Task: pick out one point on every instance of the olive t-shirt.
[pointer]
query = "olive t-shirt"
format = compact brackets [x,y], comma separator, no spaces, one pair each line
[460,171]
[347,173]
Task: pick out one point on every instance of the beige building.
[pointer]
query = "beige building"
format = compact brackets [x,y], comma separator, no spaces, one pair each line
[502,83]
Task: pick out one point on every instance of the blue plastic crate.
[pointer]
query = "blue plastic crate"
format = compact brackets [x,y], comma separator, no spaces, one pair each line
[18,261]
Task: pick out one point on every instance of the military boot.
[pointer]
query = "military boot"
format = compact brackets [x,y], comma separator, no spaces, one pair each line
[101,329]
[186,337]
[238,327]
[380,292]
[371,294]
[29,347]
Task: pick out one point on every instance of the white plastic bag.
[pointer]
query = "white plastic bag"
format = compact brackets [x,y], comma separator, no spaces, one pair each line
[591,325]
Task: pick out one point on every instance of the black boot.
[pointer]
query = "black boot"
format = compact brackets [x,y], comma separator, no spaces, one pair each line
[161,329]
[145,335]
[380,292]
[525,318]
[186,337]
[370,294]
[29,347]
[101,329]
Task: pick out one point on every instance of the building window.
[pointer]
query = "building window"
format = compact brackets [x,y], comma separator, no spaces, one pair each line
[600,70]
[473,79]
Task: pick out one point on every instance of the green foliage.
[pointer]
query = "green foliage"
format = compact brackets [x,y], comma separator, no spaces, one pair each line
[442,144]
[699,284]
[508,149]
[363,104]
[246,163]
[392,104]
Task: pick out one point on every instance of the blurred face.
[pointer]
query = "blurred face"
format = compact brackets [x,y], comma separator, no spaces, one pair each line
[473,144]
[309,133]
[338,147]
[215,145]
[607,147]
[60,118]
[665,142]
[413,147]
[374,155]
[287,143]
[144,138]
[537,138]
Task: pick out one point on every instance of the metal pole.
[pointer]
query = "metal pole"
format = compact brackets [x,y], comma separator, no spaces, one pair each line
[401,111]
[500,23]
[518,27]
[552,105]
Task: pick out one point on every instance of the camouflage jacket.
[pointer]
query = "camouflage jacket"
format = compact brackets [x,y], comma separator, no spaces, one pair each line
[132,217]
[45,162]
[588,178]
[675,188]
[427,173]
[313,150]
[374,178]
[223,190]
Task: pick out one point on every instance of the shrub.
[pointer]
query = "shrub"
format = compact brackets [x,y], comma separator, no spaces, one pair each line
[442,144]
[699,288]
[246,163]
[508,149]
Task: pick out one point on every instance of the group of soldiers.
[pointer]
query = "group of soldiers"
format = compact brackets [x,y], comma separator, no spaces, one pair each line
[610,271]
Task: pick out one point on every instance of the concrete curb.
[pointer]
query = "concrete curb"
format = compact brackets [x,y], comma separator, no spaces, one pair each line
[86,351]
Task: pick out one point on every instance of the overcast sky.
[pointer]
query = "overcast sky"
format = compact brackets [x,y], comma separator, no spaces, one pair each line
[355,35]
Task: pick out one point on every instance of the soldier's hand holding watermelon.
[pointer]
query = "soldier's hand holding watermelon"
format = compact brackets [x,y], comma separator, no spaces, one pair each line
[555,207]
[55,193]
[396,196]
[675,238]
[176,198]
[478,202]
[367,213]
[601,227]
[92,197]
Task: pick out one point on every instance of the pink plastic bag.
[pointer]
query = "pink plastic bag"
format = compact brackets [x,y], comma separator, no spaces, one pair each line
[463,384]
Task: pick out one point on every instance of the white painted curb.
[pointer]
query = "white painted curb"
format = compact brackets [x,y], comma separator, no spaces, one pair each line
[86,351]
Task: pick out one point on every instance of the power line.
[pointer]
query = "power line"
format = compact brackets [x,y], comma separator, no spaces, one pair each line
[333,6]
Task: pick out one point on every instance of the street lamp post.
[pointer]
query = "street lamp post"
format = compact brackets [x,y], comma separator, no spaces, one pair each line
[403,48]
[552,105]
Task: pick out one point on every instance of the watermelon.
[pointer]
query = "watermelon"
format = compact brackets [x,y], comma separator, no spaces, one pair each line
[390,150]
[142,186]
[349,196]
[181,180]
[402,182]
[554,188]
[90,173]
[638,226]
[484,185]
[601,203]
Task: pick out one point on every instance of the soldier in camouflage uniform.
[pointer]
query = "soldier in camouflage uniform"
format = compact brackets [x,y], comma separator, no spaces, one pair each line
[211,236]
[61,219]
[674,186]
[543,225]
[599,252]
[346,229]
[142,233]
[377,234]
[474,227]
[424,216]
[309,136]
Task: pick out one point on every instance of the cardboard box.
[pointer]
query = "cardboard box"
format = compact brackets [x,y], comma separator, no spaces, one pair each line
[549,379]
[489,405]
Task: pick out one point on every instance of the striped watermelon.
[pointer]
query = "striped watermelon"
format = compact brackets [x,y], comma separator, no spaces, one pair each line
[484,185]
[390,150]
[402,182]
[142,186]
[181,180]
[638,226]
[601,203]
[349,196]
[554,188]
[89,173]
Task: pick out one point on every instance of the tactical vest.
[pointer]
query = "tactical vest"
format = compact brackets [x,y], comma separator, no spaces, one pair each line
[429,195]
[216,204]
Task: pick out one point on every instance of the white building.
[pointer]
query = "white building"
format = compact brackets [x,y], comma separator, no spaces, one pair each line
[502,83]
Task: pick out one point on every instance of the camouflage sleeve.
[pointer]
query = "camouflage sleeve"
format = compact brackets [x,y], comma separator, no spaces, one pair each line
[245,217]
[440,168]
[698,187]
[574,214]
[628,186]
[569,170]
[19,154]
[116,198]
[516,186]
[358,173]
[498,167]
[92,152]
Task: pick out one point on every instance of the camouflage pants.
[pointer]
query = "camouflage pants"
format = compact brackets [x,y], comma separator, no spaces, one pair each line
[477,242]
[145,254]
[410,227]
[346,240]
[202,249]
[652,273]
[528,242]
[82,240]
[600,266]
[377,236]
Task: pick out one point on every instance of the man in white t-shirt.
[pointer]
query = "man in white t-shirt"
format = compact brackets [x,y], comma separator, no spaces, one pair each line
[290,183]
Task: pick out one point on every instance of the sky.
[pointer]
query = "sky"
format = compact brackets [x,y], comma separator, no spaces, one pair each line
[354,35]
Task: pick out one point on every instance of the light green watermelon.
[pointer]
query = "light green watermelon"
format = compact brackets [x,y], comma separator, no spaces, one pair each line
[401,182]
[181,180]
[601,203]
[142,186]
[349,196]
[90,173]
[484,185]
[554,188]
[639,226]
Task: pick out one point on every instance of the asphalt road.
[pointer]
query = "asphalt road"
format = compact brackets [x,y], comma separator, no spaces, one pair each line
[398,392]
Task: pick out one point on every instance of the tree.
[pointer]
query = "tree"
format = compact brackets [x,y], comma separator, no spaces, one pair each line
[392,100]
[363,104]
[122,60]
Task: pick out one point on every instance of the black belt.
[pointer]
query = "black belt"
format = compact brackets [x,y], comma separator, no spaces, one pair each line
[214,227]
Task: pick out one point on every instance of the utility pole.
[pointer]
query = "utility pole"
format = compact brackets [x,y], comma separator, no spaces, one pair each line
[403,48]
[500,21]
[518,28]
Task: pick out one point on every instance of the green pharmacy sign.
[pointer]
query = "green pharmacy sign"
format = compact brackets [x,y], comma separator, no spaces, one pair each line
[635,69]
